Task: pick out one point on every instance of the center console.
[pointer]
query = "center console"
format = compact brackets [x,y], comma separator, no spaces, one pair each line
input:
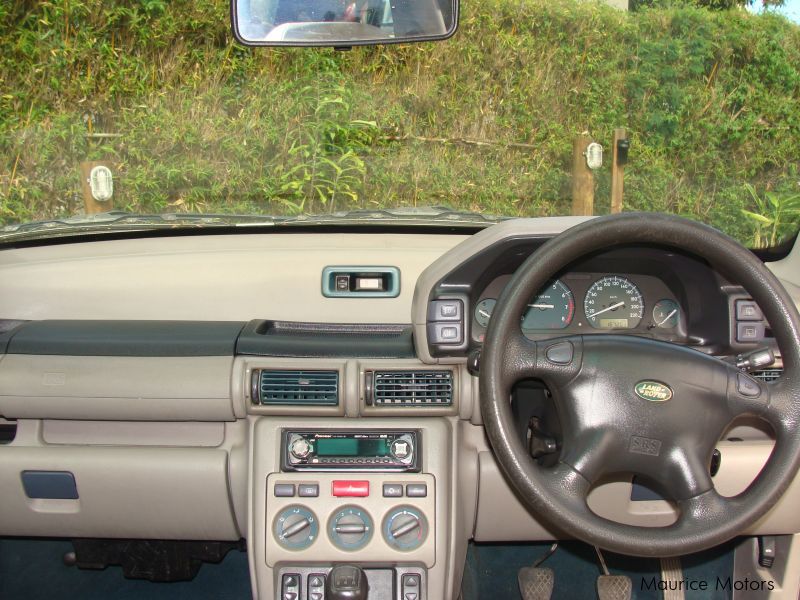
[338,502]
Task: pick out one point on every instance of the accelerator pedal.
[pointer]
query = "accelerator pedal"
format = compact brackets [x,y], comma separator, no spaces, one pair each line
[612,587]
[535,582]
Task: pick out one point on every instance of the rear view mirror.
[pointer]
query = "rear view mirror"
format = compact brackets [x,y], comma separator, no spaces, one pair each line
[341,22]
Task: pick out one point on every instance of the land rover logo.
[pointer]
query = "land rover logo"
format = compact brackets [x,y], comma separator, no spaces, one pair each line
[653,391]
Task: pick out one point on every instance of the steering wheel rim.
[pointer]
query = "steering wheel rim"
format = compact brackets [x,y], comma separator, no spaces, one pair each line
[558,494]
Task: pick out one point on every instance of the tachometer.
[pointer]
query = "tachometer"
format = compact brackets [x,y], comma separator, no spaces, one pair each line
[613,302]
[553,308]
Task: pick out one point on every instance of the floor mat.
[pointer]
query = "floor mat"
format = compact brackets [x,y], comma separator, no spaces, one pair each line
[33,570]
[492,571]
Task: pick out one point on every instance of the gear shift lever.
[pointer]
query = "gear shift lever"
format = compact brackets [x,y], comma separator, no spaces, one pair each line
[346,582]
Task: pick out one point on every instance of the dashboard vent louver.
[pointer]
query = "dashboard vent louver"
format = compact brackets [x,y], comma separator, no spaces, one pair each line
[767,374]
[410,388]
[298,388]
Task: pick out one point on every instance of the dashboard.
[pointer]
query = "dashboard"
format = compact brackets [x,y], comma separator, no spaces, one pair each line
[144,381]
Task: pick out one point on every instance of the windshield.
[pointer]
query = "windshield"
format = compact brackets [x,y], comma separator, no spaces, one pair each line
[150,108]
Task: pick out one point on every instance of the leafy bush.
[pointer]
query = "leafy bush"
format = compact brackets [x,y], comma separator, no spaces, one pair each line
[710,99]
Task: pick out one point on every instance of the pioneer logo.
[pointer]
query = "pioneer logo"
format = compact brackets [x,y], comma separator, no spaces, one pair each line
[653,391]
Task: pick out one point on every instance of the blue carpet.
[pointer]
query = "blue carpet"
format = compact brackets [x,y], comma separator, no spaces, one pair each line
[33,570]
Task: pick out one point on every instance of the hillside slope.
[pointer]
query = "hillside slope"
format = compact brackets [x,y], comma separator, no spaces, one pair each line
[711,99]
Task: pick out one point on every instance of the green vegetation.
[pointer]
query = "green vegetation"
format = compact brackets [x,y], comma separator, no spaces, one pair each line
[711,100]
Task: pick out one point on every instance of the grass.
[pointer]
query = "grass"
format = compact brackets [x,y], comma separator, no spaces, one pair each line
[711,100]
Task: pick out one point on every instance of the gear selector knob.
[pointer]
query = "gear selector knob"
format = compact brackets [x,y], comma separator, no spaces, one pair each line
[346,582]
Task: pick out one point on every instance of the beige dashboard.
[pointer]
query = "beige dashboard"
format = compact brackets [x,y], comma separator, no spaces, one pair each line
[183,435]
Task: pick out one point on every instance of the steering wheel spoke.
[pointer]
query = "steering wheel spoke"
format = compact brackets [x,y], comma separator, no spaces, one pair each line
[705,508]
[749,397]
[568,483]
[554,361]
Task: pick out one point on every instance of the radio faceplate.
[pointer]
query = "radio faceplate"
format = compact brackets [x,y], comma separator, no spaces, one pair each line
[350,450]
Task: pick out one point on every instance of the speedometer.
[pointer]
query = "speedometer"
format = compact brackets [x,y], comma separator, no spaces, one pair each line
[613,302]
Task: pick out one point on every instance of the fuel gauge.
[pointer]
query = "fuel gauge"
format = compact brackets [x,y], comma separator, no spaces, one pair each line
[666,314]
[483,311]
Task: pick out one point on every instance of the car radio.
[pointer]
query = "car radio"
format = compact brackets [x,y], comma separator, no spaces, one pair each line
[340,450]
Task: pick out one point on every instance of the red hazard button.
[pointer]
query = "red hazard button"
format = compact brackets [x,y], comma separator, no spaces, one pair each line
[351,488]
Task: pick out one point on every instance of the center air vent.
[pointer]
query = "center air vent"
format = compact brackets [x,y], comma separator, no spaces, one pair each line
[409,388]
[299,388]
[767,374]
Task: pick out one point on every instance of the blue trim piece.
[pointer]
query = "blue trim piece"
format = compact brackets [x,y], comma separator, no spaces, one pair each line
[50,485]
[329,281]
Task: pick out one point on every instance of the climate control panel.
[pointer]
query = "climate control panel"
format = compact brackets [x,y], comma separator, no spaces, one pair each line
[331,517]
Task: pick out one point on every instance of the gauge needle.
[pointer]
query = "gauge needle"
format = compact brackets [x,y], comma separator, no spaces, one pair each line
[665,319]
[542,306]
[483,313]
[612,307]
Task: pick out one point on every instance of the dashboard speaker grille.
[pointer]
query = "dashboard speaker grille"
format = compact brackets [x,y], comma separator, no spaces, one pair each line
[300,388]
[411,388]
[767,374]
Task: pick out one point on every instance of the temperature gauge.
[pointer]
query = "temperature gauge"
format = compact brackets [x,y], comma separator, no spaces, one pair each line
[666,314]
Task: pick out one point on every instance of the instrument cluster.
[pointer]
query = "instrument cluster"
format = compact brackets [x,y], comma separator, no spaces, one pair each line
[591,303]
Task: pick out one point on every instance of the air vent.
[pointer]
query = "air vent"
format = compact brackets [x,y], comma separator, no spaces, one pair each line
[409,388]
[767,374]
[298,388]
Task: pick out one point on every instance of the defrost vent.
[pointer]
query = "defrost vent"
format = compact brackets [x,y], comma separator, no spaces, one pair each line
[295,387]
[409,388]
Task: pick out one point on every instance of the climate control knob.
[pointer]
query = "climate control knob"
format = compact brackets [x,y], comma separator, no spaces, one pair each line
[405,528]
[350,528]
[296,527]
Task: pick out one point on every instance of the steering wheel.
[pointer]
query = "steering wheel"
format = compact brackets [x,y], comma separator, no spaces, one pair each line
[633,405]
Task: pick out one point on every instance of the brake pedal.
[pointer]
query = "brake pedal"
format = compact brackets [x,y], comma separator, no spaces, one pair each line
[535,582]
[612,587]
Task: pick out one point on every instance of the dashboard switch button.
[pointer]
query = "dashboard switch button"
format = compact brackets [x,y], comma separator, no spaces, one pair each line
[749,331]
[445,333]
[392,490]
[417,490]
[747,310]
[445,310]
[560,354]
[284,490]
[349,488]
[308,490]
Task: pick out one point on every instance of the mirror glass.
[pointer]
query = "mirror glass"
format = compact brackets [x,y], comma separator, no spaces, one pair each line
[341,22]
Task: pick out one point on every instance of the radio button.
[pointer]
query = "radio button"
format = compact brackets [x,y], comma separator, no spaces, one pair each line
[348,488]
[300,448]
[400,449]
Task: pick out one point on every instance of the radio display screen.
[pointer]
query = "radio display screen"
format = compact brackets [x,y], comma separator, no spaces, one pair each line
[351,447]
